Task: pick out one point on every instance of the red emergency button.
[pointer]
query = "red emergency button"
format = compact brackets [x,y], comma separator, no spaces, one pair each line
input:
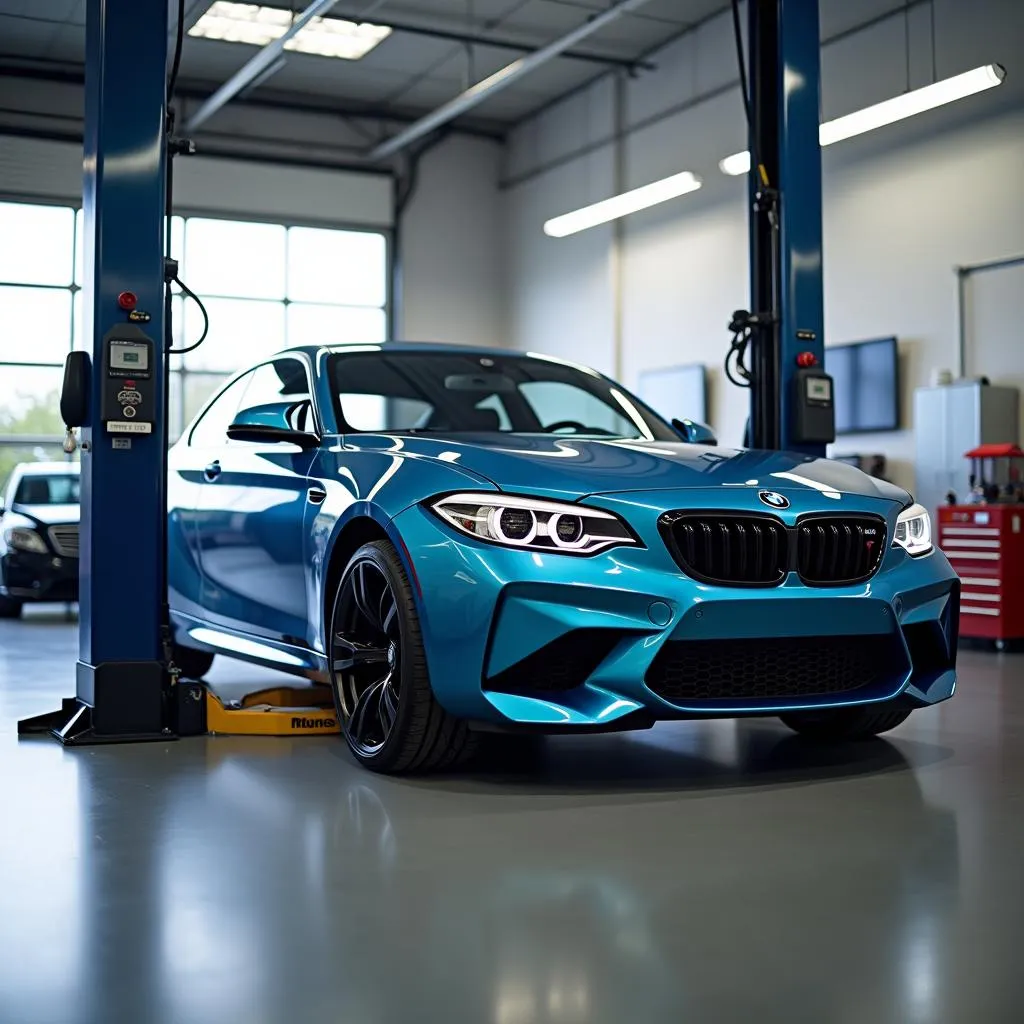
[129,383]
[806,359]
[127,300]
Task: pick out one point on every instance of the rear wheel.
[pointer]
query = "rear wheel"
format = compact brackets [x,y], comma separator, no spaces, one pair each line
[10,607]
[390,717]
[194,664]
[845,723]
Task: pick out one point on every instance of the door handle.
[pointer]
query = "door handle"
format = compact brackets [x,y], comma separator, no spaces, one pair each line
[212,471]
[316,495]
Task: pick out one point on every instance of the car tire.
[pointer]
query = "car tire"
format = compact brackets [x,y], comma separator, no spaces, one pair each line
[845,723]
[194,664]
[10,607]
[378,668]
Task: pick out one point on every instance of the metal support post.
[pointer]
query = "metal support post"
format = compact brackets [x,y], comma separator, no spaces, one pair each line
[785,222]
[121,676]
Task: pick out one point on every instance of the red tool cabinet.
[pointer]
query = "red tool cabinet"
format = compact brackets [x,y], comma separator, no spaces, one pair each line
[985,545]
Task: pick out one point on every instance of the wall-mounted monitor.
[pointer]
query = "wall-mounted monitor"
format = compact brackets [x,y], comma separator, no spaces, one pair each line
[678,392]
[867,385]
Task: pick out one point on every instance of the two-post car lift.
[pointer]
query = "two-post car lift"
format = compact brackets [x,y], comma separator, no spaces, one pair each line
[125,688]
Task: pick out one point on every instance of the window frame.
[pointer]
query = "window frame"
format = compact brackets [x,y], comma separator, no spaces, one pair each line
[182,372]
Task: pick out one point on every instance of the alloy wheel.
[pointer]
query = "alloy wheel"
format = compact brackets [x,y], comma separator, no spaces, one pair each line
[366,656]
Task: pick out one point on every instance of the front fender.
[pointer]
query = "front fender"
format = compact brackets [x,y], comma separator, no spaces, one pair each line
[369,485]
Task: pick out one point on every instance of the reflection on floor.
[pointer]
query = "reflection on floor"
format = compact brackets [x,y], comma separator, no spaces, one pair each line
[695,873]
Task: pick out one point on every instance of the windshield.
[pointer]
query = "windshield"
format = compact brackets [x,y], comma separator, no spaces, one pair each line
[399,391]
[59,489]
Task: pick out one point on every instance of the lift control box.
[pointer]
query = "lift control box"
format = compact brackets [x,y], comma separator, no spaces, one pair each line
[129,398]
[814,415]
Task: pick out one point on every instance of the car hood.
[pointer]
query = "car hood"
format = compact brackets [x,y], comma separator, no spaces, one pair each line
[49,515]
[571,468]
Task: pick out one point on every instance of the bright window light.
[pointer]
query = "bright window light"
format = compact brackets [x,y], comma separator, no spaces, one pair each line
[257,26]
[889,111]
[621,205]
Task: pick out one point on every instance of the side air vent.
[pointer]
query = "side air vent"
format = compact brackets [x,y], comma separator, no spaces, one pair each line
[565,663]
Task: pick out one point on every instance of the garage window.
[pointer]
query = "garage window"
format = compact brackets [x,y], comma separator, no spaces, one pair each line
[265,286]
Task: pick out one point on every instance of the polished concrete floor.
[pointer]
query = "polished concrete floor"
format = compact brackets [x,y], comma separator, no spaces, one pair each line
[695,873]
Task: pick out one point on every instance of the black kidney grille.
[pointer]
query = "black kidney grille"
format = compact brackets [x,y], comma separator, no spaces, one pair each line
[839,549]
[775,668]
[736,549]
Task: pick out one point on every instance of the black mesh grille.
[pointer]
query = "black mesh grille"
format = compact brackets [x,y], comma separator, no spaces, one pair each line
[736,549]
[687,671]
[561,665]
[839,549]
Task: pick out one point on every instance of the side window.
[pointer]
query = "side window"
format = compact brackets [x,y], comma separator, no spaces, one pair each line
[211,431]
[283,382]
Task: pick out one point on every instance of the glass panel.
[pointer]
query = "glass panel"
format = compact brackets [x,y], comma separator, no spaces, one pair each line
[198,388]
[347,267]
[12,455]
[36,325]
[37,244]
[234,258]
[212,430]
[30,401]
[241,333]
[335,325]
[48,489]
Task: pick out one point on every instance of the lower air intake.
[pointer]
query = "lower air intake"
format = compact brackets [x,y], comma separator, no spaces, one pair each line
[691,671]
[565,663]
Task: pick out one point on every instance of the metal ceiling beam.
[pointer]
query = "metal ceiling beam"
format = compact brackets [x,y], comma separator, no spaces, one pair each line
[500,80]
[256,67]
[498,42]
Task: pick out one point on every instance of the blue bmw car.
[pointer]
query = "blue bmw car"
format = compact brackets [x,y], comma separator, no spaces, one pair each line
[468,540]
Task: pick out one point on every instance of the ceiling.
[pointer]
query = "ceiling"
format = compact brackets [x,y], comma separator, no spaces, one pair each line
[410,72]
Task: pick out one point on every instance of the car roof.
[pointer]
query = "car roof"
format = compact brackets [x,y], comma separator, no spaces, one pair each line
[48,468]
[413,346]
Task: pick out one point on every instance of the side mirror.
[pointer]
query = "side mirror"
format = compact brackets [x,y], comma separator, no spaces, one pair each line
[262,433]
[270,424]
[693,432]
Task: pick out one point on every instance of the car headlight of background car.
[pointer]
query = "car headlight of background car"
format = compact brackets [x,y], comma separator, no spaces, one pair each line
[914,530]
[20,539]
[533,524]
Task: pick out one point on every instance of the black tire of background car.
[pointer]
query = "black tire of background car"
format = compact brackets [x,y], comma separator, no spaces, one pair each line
[10,608]
[194,664]
[424,737]
[845,723]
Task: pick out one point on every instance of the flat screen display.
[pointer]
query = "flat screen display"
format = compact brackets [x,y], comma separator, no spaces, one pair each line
[129,356]
[676,391]
[867,385]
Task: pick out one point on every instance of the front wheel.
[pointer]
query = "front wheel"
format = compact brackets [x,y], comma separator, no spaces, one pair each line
[845,723]
[378,667]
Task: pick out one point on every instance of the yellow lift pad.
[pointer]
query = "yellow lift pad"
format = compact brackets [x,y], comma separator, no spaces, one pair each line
[280,711]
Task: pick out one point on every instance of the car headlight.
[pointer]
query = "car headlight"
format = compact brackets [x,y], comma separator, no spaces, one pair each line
[20,539]
[914,530]
[533,524]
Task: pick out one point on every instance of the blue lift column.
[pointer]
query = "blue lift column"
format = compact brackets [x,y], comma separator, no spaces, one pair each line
[791,397]
[121,684]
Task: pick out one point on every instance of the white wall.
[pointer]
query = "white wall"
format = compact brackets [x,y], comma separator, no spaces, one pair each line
[452,253]
[901,207]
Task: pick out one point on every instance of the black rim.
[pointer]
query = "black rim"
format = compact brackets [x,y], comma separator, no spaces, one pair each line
[366,656]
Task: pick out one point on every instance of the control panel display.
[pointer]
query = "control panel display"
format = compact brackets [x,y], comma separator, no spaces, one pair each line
[129,355]
[819,389]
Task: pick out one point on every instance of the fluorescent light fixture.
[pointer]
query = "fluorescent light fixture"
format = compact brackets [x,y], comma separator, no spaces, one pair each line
[738,163]
[619,206]
[256,25]
[889,111]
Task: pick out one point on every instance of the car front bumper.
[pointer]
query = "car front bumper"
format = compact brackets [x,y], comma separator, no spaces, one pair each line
[625,638]
[34,576]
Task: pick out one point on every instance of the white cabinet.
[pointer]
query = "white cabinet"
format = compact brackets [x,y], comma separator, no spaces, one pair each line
[949,421]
